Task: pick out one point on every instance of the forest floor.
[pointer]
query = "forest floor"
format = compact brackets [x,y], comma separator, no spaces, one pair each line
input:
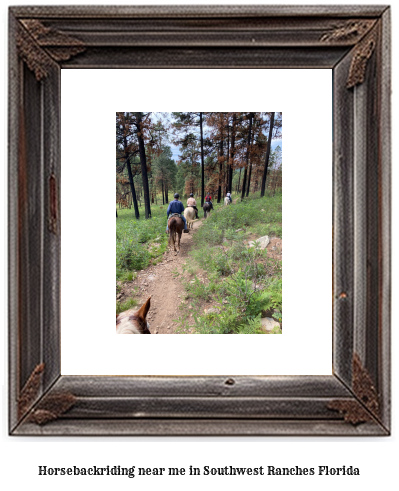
[218,283]
[162,282]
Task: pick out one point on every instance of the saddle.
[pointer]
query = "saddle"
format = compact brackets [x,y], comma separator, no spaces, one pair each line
[174,215]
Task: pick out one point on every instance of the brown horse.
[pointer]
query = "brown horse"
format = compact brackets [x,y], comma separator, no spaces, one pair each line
[207,208]
[176,227]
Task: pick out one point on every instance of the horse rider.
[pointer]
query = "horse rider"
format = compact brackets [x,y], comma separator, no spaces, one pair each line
[229,196]
[191,202]
[208,199]
[176,206]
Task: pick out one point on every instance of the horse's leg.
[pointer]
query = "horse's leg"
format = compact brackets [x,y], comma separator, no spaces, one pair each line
[171,235]
[178,241]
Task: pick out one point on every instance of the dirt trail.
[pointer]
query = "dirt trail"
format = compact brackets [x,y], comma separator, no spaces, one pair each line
[167,292]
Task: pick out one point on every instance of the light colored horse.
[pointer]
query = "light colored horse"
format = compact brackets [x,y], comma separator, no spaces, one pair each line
[189,214]
[134,321]
[226,201]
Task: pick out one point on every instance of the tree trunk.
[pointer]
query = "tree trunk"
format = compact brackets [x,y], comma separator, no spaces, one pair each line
[166,193]
[143,164]
[232,151]
[244,182]
[220,169]
[202,165]
[239,179]
[249,179]
[136,208]
[250,165]
[129,171]
[227,162]
[163,198]
[262,191]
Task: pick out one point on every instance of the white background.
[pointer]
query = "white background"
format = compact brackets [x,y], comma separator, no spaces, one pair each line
[376,457]
[88,234]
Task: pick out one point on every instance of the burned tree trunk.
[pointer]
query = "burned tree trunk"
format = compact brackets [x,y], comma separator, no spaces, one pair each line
[247,159]
[262,191]
[202,164]
[143,163]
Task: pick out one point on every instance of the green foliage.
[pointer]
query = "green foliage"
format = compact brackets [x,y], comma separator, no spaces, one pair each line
[253,326]
[275,330]
[180,181]
[244,281]
[164,169]
[139,241]
[129,304]
[245,214]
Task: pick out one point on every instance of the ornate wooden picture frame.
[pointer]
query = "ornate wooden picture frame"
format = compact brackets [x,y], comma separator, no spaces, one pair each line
[352,41]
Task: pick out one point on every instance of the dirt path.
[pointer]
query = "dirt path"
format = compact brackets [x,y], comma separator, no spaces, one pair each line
[164,286]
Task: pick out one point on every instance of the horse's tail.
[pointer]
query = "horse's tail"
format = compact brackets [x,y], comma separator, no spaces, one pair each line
[172,231]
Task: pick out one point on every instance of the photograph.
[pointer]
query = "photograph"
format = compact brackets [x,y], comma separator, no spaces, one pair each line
[199,222]
[315,408]
[327,70]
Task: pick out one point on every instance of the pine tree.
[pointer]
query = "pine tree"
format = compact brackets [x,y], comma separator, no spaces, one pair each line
[250,116]
[141,120]
[269,140]
[190,123]
[165,170]
[126,150]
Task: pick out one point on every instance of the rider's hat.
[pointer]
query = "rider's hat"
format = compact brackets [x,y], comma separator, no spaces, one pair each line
[177,195]
[191,195]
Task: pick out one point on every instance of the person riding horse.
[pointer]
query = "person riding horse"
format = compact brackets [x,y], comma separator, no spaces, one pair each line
[208,199]
[176,206]
[191,202]
[229,196]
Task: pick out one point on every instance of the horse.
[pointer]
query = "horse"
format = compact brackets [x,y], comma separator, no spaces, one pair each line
[206,208]
[226,201]
[176,227]
[189,213]
[134,321]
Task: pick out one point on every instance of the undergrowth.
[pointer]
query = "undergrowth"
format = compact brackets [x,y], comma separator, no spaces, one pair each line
[139,243]
[244,282]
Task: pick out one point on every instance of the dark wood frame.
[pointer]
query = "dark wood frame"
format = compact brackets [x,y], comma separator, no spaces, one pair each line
[353,41]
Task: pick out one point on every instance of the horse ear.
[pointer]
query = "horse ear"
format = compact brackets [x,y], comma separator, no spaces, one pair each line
[143,311]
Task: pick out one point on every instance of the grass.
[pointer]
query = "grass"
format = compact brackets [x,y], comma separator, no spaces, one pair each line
[244,282]
[122,306]
[247,215]
[139,243]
